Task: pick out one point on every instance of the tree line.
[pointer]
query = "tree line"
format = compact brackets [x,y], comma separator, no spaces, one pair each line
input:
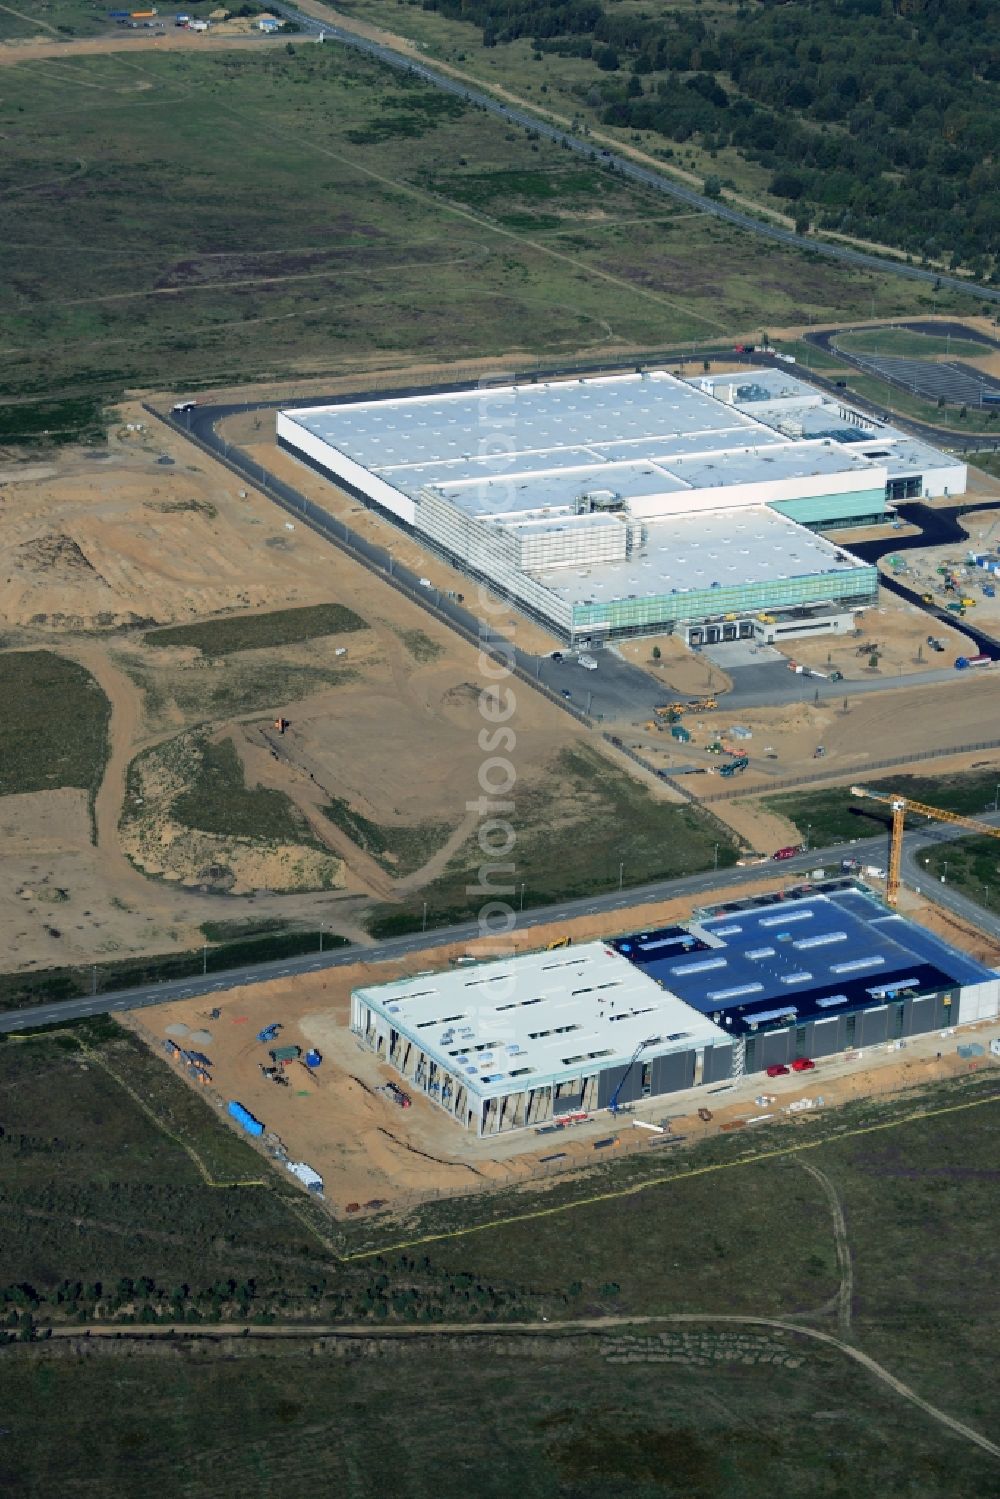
[875,118]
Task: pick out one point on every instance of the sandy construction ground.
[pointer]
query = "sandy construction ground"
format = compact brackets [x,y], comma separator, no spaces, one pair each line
[876,726]
[679,669]
[94,549]
[370,1151]
[899,631]
[983,530]
[497,613]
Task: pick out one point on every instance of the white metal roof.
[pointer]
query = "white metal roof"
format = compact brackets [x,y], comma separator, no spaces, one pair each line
[692,552]
[545,443]
[539,1018]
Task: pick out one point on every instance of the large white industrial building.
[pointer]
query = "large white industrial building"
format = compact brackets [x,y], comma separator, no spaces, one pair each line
[628,504]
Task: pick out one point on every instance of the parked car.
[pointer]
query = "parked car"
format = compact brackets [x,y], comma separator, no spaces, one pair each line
[556,656]
[778,1069]
[566,693]
[803,1064]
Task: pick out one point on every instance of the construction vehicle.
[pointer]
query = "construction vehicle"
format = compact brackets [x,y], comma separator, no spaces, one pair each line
[768,619]
[734,767]
[559,942]
[613,1101]
[958,609]
[274,1075]
[900,805]
[967,603]
[701,705]
[927,598]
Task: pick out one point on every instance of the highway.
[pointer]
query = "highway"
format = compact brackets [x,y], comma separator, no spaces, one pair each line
[624,165]
[869,850]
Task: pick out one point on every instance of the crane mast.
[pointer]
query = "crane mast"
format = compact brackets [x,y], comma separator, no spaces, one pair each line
[899,806]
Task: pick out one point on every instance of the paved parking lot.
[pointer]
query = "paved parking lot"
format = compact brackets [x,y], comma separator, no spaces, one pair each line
[959,384]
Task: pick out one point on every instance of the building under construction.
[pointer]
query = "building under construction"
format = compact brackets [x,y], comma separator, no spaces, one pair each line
[516,1042]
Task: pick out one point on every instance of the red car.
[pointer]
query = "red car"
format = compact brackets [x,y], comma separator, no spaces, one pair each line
[785,853]
[803,1064]
[777,1070]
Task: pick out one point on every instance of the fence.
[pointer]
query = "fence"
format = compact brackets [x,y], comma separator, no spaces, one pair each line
[621,1139]
[682,791]
[844,772]
[339,534]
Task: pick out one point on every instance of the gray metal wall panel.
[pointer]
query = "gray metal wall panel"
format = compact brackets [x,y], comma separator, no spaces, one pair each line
[718,1063]
[772,1048]
[947,1014]
[671,1074]
[826,1037]
[922,1016]
[873,1026]
[606,1085]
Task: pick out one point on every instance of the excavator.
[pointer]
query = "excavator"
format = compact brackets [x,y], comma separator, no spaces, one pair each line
[899,806]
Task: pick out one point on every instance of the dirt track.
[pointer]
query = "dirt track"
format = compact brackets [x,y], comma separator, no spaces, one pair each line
[184,1331]
[177,39]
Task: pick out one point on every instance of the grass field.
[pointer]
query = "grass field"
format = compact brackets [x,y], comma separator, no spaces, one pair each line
[835,816]
[195,220]
[811,357]
[218,800]
[988,462]
[904,403]
[251,632]
[603,820]
[904,343]
[971,866]
[239,683]
[54,732]
[399,850]
[131,1212]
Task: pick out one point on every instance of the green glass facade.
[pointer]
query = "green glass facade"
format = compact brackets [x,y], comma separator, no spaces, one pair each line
[863,507]
[856,588]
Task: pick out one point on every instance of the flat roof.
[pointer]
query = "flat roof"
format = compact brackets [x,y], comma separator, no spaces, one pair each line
[539,1018]
[690,553]
[804,958]
[780,397]
[514,447]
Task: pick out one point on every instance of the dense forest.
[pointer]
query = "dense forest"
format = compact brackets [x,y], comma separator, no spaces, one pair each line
[876,118]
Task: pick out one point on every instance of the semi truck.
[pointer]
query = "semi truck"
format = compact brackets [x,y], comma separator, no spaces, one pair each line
[962,663]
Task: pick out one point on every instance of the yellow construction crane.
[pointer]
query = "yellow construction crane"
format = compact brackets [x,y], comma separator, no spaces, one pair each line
[900,805]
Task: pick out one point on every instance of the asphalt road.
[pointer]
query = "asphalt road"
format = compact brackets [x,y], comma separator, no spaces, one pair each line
[869,850]
[945,437]
[646,176]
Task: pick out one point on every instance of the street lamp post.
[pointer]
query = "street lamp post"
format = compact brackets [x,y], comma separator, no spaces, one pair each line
[716,865]
[423,924]
[521,901]
[621,874]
